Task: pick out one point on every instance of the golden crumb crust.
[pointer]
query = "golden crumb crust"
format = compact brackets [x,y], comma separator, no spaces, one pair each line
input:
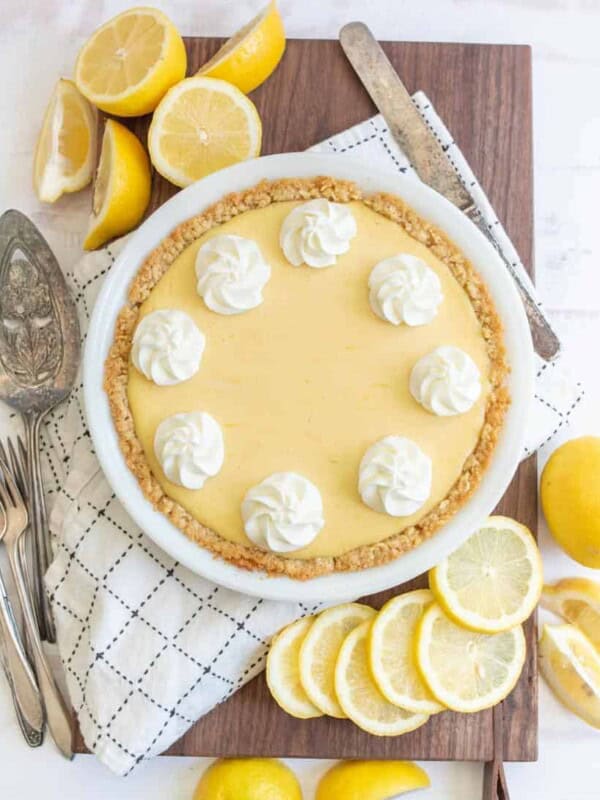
[263,194]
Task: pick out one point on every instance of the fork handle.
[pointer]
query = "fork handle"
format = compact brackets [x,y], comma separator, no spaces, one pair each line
[23,686]
[57,713]
[42,550]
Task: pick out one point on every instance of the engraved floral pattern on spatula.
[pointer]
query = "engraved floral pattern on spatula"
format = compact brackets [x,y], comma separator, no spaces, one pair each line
[31,348]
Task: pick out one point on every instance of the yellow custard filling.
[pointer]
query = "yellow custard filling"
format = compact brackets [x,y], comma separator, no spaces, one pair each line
[310,379]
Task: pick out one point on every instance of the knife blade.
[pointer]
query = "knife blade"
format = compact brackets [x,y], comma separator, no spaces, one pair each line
[428,158]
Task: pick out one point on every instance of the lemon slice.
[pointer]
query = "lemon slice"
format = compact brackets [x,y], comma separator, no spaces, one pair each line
[66,147]
[128,64]
[359,696]
[320,650]
[283,673]
[465,670]
[570,665]
[122,189]
[576,600]
[370,780]
[494,580]
[200,126]
[392,656]
[251,55]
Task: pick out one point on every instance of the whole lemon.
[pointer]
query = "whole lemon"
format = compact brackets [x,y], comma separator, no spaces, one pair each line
[570,493]
[248,779]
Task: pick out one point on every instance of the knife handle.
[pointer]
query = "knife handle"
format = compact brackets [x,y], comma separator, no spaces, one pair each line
[545,342]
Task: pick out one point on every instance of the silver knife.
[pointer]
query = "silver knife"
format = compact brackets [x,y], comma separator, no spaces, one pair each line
[431,163]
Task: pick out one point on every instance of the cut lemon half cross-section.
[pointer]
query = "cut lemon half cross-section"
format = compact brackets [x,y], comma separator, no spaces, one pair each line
[570,665]
[359,696]
[251,55]
[494,580]
[200,126]
[370,780]
[392,653]
[320,649]
[465,670]
[66,147]
[576,600]
[128,64]
[122,188]
[283,672]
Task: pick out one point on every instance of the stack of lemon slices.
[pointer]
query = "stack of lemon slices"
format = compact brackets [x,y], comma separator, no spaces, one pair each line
[135,64]
[458,645]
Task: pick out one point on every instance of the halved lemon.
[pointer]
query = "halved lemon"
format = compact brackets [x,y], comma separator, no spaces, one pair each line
[283,672]
[200,126]
[128,64]
[122,188]
[494,580]
[320,649]
[465,670]
[370,780]
[392,653]
[576,600]
[251,55]
[359,696]
[66,147]
[571,666]
[248,778]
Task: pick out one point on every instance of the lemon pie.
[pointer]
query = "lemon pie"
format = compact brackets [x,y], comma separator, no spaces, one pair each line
[307,379]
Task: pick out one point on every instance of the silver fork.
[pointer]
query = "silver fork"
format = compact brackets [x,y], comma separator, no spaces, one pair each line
[57,713]
[24,690]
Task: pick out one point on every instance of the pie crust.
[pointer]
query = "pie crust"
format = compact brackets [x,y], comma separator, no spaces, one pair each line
[158,262]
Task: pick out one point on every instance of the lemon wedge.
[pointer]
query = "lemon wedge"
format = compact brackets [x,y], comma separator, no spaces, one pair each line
[576,600]
[320,649]
[251,55]
[200,126]
[66,147]
[283,672]
[359,696]
[494,580]
[465,670]
[392,655]
[248,778]
[570,665]
[370,780]
[128,64]
[122,189]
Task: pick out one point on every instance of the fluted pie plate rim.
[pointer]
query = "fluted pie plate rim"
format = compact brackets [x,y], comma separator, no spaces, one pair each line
[338,585]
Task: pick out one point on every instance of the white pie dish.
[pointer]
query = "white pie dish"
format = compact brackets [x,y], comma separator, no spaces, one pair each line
[343,585]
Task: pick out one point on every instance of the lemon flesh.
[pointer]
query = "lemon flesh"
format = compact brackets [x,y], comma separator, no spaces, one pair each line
[370,780]
[392,653]
[66,147]
[576,600]
[283,671]
[465,670]
[570,495]
[252,54]
[320,649]
[494,580]
[570,665]
[248,779]
[129,63]
[201,126]
[359,696]
[122,189]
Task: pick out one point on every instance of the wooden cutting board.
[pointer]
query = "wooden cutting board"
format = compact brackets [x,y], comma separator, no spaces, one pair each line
[483,93]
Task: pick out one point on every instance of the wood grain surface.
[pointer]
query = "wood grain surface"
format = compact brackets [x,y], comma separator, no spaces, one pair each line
[483,93]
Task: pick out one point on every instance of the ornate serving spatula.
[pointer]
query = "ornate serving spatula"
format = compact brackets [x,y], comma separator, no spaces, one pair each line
[39,358]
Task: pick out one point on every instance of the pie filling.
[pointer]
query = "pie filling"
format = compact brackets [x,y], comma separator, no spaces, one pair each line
[304,373]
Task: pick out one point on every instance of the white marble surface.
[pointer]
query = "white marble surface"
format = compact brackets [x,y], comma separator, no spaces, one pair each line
[39,40]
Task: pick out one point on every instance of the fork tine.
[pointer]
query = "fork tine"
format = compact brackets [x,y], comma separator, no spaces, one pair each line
[9,491]
[3,453]
[5,499]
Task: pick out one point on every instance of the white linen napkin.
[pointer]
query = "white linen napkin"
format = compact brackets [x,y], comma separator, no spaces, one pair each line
[147,646]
